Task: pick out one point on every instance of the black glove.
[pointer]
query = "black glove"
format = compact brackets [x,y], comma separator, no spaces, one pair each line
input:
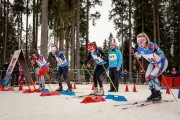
[98,55]
[83,62]
[51,55]
[61,56]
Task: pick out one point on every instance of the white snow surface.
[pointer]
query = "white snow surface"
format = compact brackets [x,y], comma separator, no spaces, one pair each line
[14,105]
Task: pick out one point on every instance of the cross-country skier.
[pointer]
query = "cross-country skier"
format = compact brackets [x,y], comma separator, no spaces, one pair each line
[62,68]
[43,65]
[158,63]
[21,76]
[102,63]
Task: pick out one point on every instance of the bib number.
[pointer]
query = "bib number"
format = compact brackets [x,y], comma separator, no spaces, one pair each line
[151,60]
[112,57]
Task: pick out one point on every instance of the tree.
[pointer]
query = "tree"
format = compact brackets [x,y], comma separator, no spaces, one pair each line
[119,15]
[27,14]
[18,9]
[6,28]
[44,28]
[130,40]
[77,36]
[154,20]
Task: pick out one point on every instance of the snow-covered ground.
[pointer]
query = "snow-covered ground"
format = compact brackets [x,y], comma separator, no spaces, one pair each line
[14,105]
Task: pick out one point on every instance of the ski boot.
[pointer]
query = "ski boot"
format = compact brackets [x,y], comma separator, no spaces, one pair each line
[111,90]
[69,88]
[43,86]
[40,86]
[157,96]
[95,91]
[59,89]
[150,98]
[101,92]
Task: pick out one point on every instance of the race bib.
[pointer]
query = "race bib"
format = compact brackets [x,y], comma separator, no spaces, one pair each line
[97,59]
[151,58]
[60,61]
[41,61]
[112,57]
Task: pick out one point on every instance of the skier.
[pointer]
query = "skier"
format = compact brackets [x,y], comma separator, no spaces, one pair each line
[158,63]
[21,75]
[115,61]
[62,68]
[43,65]
[102,63]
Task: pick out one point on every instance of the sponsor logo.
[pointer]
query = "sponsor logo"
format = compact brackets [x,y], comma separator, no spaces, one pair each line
[11,65]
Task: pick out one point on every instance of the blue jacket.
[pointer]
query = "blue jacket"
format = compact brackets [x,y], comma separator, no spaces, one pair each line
[115,58]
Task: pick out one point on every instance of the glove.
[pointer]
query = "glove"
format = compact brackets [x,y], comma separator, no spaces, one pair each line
[153,48]
[83,62]
[131,50]
[98,55]
[30,57]
[51,55]
[61,56]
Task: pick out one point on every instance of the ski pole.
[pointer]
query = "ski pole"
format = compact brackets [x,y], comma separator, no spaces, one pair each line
[133,46]
[139,63]
[87,71]
[31,77]
[48,82]
[109,78]
[163,77]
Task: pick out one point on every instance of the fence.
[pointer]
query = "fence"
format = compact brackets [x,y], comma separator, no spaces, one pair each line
[78,76]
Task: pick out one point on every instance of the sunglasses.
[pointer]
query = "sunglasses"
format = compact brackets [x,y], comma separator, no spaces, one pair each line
[141,39]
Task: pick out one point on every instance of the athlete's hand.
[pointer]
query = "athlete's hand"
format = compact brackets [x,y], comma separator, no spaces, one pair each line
[131,50]
[30,57]
[52,55]
[153,48]
[98,54]
[83,62]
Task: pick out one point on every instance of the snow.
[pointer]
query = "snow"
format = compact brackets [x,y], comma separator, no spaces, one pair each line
[14,105]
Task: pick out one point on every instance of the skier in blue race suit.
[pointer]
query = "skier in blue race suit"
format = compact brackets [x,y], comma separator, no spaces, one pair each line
[158,63]
[102,63]
[62,68]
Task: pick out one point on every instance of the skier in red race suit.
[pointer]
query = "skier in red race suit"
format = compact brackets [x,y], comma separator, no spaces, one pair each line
[43,65]
[21,75]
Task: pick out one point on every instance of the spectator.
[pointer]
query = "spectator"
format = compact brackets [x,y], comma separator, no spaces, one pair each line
[4,69]
[174,74]
[125,75]
[50,73]
[121,74]
[134,75]
[115,61]
[142,77]
[15,76]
